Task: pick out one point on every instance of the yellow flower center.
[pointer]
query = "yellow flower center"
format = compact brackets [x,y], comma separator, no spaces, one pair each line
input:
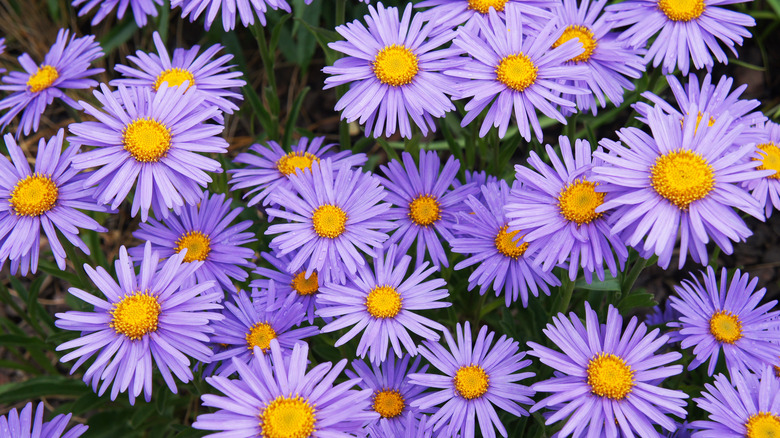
[586,38]
[293,161]
[388,403]
[483,6]
[305,286]
[43,78]
[383,302]
[329,221]
[424,210]
[260,335]
[471,381]
[770,160]
[609,376]
[395,65]
[288,417]
[726,327]
[135,315]
[34,195]
[579,200]
[682,177]
[197,244]
[763,425]
[517,72]
[174,77]
[146,139]
[508,245]
[681,10]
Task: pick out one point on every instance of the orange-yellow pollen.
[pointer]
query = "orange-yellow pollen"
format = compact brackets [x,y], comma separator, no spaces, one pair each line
[329,221]
[43,78]
[136,315]
[726,327]
[483,6]
[197,244]
[763,425]
[174,77]
[305,286]
[389,403]
[288,417]
[471,381]
[290,163]
[682,177]
[424,210]
[395,65]
[508,243]
[681,10]
[609,376]
[34,195]
[517,72]
[383,302]
[260,335]
[146,139]
[579,200]
[770,159]
[586,38]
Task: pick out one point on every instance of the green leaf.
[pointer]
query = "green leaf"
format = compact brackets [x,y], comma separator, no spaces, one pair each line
[43,386]
[324,37]
[609,284]
[118,35]
[636,299]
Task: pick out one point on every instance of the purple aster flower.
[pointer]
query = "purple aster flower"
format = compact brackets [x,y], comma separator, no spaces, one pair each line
[288,401]
[254,323]
[244,9]
[152,138]
[426,207]
[304,288]
[453,13]
[476,377]
[766,189]
[269,166]
[332,214]
[507,70]
[48,198]
[205,231]
[149,316]
[556,209]
[392,393]
[679,181]
[395,72]
[16,425]
[727,318]
[606,380]
[65,66]
[661,316]
[610,62]
[746,406]
[383,304]
[502,255]
[689,30]
[210,77]
[141,9]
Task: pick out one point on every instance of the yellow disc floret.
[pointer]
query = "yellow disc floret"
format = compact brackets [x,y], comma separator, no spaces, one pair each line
[388,403]
[681,10]
[509,244]
[293,161]
[726,327]
[305,286]
[517,72]
[43,78]
[579,200]
[424,210]
[582,33]
[136,315]
[260,335]
[682,176]
[383,302]
[763,425]
[288,417]
[146,139]
[395,65]
[609,376]
[197,244]
[34,195]
[770,159]
[471,381]
[483,6]
[174,77]
[329,221]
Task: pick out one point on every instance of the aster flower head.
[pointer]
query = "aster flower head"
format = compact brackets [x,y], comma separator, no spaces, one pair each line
[607,377]
[49,197]
[23,424]
[303,288]
[245,10]
[766,189]
[205,75]
[679,181]
[726,318]
[395,72]
[144,318]
[426,208]
[392,395]
[66,66]
[251,323]
[502,255]
[269,166]
[555,207]
[453,13]
[141,9]
[332,213]
[151,138]
[287,400]
[508,70]
[747,405]
[684,30]
[205,231]
[477,377]
[383,304]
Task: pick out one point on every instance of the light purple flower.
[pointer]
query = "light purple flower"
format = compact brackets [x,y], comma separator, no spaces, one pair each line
[24,425]
[245,10]
[453,13]
[141,9]
[305,289]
